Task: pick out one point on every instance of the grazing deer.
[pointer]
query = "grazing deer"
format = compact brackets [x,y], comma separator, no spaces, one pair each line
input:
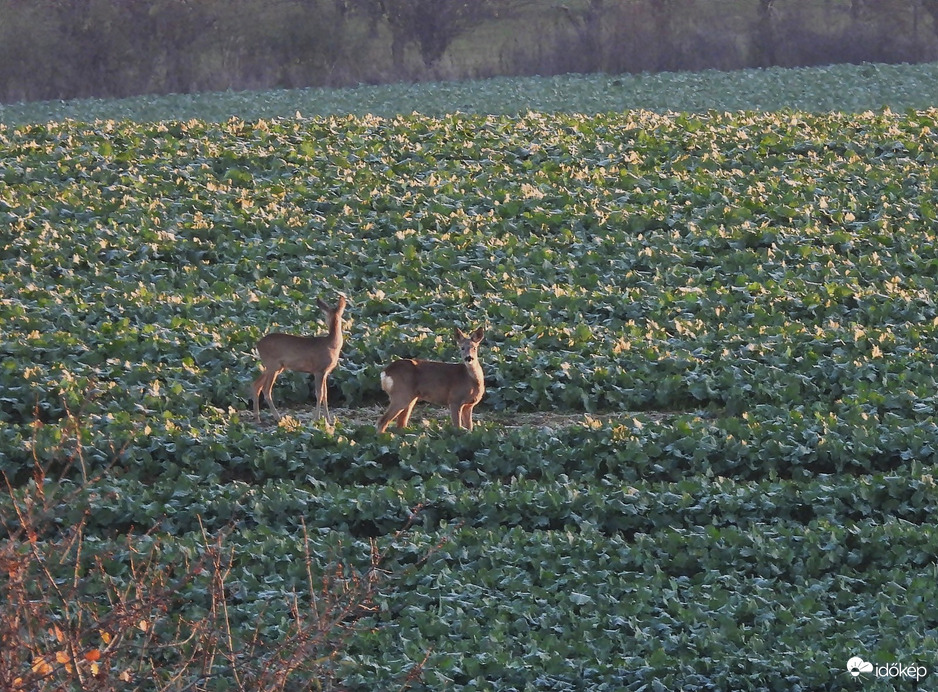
[457,385]
[315,354]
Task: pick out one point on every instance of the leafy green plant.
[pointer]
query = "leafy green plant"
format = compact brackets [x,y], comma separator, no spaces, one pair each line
[705,457]
[91,609]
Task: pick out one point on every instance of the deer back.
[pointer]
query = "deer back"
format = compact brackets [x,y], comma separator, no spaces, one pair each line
[438,383]
[299,353]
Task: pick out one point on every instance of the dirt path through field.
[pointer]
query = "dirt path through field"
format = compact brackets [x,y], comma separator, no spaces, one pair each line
[369,415]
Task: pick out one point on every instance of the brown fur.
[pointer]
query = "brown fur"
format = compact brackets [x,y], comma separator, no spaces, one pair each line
[457,385]
[318,355]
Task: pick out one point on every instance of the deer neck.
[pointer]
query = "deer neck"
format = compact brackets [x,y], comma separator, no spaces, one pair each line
[335,331]
[474,370]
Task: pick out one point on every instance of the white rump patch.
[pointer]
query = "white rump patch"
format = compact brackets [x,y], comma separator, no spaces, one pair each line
[386,382]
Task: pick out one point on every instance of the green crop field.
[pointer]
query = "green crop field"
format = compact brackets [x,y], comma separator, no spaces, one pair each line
[705,458]
[851,88]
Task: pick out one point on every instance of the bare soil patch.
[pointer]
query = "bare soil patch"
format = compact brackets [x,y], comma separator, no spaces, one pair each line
[425,415]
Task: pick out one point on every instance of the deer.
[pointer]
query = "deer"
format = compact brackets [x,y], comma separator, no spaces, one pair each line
[457,385]
[313,354]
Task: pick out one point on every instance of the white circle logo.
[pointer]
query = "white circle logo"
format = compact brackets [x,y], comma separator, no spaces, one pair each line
[857,665]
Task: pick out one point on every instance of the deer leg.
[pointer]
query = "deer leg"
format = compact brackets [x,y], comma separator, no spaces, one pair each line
[393,411]
[455,410]
[320,386]
[325,397]
[465,417]
[255,394]
[269,389]
[404,417]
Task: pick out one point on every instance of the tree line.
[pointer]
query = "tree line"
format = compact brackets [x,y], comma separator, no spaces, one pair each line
[63,49]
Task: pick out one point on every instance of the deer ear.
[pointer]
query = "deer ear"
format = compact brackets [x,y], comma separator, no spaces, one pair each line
[458,334]
[340,306]
[323,305]
[478,334]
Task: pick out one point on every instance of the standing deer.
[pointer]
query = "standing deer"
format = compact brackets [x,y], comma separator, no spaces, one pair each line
[314,354]
[457,385]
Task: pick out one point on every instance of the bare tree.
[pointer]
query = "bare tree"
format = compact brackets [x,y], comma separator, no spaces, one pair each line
[765,34]
[931,7]
[430,25]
